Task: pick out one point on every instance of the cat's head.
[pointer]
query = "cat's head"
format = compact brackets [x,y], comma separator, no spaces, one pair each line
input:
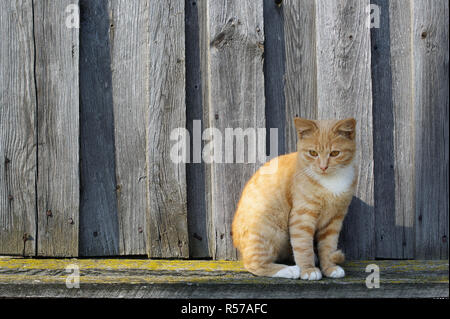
[325,146]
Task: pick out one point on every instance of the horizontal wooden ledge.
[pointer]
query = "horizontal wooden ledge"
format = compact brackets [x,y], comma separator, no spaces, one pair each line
[134,278]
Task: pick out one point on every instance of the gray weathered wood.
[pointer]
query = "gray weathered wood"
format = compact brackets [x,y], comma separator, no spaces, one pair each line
[99,225]
[133,200]
[234,47]
[58,187]
[393,131]
[130,65]
[274,72]
[136,278]
[17,129]
[301,77]
[430,41]
[400,36]
[195,169]
[168,233]
[344,90]
[204,47]
[388,240]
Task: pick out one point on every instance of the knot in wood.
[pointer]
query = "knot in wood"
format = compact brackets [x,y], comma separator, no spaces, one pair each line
[226,34]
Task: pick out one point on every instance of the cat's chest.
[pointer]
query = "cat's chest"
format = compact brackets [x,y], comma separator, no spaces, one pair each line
[339,183]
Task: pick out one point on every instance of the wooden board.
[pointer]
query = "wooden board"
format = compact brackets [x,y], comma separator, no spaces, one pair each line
[344,90]
[388,240]
[233,68]
[17,129]
[99,225]
[195,169]
[58,187]
[168,233]
[274,73]
[130,65]
[393,131]
[400,36]
[204,47]
[301,76]
[430,38]
[109,278]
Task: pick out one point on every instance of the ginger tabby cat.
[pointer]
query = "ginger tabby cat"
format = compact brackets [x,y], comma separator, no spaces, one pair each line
[306,199]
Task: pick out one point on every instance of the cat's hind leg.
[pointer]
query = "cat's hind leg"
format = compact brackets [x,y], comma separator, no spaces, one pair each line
[271,269]
[259,258]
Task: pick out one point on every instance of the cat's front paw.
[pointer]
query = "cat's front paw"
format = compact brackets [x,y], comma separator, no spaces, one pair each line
[312,273]
[334,272]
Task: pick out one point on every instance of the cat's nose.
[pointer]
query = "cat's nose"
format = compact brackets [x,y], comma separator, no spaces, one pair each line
[323,168]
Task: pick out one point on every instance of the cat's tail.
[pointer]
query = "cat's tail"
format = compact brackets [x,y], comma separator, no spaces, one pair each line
[337,257]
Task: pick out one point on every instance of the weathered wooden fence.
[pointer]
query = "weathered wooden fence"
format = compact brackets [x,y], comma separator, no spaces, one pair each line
[86,116]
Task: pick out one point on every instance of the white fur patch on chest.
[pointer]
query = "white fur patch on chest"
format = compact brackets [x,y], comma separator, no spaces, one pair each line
[338,183]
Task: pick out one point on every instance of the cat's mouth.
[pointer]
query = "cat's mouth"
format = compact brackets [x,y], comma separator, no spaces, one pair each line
[326,172]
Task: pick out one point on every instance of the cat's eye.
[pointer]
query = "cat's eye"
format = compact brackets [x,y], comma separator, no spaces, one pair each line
[334,153]
[313,153]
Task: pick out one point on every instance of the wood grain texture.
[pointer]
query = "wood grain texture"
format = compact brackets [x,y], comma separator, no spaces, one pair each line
[58,187]
[17,129]
[344,90]
[168,231]
[99,225]
[301,74]
[204,48]
[393,131]
[400,53]
[274,73]
[130,65]
[195,169]
[85,127]
[233,67]
[430,41]
[212,279]
[388,240]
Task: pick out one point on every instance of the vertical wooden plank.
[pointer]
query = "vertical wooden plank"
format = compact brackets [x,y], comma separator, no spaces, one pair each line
[393,130]
[17,129]
[388,240]
[400,47]
[168,236]
[274,72]
[195,170]
[233,41]
[301,76]
[130,64]
[99,225]
[204,45]
[344,90]
[58,187]
[430,41]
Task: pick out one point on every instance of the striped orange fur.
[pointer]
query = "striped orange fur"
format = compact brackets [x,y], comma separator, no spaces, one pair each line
[304,202]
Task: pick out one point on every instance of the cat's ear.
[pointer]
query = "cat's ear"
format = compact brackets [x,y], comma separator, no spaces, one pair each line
[346,128]
[304,127]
